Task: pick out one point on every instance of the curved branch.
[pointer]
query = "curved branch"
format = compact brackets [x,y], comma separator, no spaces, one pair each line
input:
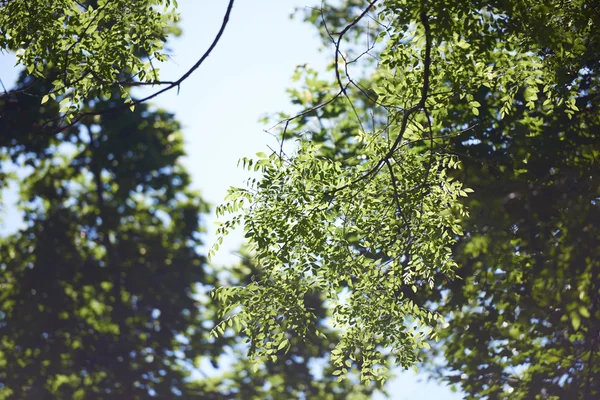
[170,86]
[420,106]
[339,41]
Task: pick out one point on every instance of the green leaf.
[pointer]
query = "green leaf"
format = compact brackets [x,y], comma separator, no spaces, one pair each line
[584,312]
[283,344]
[575,320]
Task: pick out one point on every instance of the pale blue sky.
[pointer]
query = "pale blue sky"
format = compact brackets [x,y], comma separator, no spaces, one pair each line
[220,104]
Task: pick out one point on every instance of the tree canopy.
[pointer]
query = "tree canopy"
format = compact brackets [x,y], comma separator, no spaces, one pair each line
[94,46]
[91,301]
[442,184]
[523,315]
[369,213]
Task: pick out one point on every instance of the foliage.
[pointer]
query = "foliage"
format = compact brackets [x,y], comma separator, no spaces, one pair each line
[525,316]
[367,214]
[89,44]
[509,89]
[299,219]
[524,320]
[96,288]
[300,371]
[98,291]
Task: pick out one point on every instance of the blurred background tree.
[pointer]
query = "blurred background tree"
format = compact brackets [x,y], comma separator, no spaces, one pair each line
[97,289]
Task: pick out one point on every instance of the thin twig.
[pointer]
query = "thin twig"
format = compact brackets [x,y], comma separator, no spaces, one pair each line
[417,107]
[339,41]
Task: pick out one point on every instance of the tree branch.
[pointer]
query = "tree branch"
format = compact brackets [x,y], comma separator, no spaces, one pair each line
[170,86]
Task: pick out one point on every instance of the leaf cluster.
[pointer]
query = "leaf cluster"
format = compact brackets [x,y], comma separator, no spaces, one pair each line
[89,45]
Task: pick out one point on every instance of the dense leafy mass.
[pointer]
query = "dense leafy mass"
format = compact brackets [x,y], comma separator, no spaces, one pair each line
[91,44]
[508,88]
[523,317]
[96,288]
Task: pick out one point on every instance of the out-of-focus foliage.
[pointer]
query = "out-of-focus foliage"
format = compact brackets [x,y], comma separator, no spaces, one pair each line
[96,289]
[512,93]
[89,43]
[525,317]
